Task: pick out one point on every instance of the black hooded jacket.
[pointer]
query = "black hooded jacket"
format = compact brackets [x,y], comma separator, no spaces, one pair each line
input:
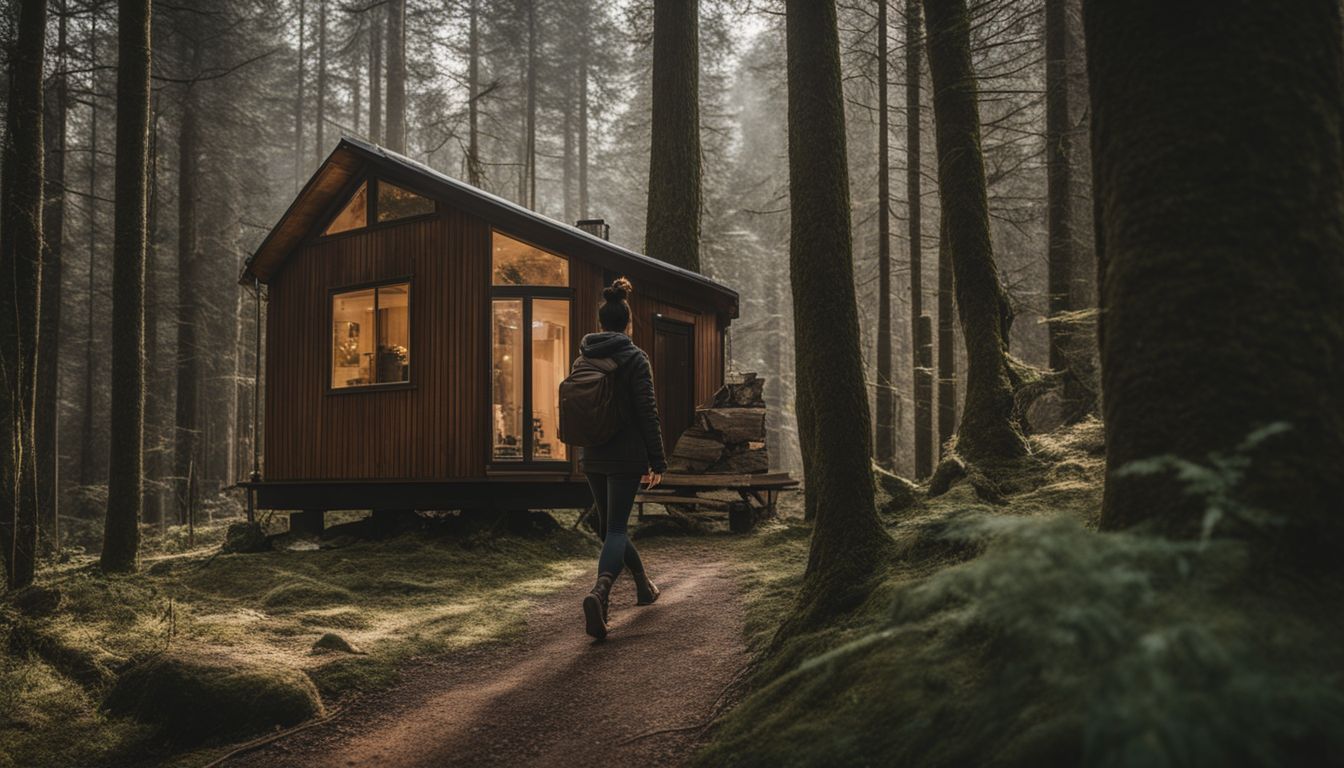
[638,446]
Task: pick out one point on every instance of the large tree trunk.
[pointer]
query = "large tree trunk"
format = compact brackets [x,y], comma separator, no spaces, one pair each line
[46,440]
[473,94]
[187,454]
[1220,244]
[885,411]
[989,431]
[833,408]
[396,76]
[1059,206]
[320,146]
[20,290]
[376,74]
[121,537]
[672,229]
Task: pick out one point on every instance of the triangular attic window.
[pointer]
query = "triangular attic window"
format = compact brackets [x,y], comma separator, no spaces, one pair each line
[397,203]
[354,215]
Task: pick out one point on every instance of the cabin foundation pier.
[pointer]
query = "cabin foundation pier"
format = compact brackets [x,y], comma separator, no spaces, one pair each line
[308,521]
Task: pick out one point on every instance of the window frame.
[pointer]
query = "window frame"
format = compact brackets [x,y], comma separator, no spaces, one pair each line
[390,386]
[371,222]
[526,294]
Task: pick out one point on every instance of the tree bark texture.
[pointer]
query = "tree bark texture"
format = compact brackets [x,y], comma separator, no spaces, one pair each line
[1220,244]
[376,74]
[88,448]
[473,95]
[672,227]
[884,448]
[396,76]
[20,291]
[121,537]
[923,397]
[947,344]
[914,223]
[186,433]
[298,105]
[46,441]
[1058,157]
[320,146]
[847,537]
[989,431]
[530,137]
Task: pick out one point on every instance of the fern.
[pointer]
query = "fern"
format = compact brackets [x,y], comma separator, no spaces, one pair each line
[1216,481]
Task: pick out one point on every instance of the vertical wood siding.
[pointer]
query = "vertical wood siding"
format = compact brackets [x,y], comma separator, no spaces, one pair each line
[439,428]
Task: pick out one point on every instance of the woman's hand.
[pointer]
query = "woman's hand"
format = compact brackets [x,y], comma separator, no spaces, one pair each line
[653,479]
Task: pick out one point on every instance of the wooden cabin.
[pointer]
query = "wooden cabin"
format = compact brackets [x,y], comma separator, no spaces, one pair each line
[417,329]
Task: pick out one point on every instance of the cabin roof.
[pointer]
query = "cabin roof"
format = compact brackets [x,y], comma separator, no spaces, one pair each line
[314,202]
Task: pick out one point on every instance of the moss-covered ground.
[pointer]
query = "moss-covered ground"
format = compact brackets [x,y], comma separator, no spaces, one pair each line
[395,599]
[1017,634]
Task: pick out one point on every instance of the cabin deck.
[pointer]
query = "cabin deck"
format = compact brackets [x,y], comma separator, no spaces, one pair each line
[680,493]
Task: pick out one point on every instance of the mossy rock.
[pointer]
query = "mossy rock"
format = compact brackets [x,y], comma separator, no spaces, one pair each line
[192,700]
[305,594]
[334,642]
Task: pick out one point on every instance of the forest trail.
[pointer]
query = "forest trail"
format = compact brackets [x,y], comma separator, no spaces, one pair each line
[556,697]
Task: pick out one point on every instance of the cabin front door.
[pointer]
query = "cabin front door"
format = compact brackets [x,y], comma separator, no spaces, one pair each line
[673,379]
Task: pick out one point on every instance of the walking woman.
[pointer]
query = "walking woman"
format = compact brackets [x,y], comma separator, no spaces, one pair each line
[616,466]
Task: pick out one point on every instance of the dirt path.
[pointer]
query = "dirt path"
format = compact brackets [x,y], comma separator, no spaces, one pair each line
[556,698]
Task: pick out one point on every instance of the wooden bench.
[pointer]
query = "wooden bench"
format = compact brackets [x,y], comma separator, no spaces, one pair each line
[759,495]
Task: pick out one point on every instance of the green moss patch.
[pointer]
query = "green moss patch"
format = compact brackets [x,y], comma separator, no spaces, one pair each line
[394,599]
[1019,635]
[194,699]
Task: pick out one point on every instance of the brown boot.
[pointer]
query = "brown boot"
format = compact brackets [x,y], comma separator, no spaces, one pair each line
[646,592]
[595,605]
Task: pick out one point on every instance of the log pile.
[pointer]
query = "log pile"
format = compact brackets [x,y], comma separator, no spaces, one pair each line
[728,435]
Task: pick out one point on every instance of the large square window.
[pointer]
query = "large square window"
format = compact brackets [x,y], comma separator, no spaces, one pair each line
[371,336]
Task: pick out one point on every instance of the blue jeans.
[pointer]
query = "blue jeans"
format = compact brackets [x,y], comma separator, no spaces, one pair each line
[615,496]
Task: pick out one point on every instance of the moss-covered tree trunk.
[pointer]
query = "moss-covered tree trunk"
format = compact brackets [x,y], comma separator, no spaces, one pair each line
[833,401]
[672,224]
[20,289]
[1059,205]
[1220,245]
[121,535]
[989,431]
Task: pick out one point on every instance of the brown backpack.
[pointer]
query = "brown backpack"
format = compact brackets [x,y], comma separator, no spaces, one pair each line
[590,412]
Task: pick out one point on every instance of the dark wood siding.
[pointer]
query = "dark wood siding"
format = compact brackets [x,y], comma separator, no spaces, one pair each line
[431,430]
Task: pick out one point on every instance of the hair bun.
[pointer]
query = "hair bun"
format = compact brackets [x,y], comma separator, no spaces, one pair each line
[618,291]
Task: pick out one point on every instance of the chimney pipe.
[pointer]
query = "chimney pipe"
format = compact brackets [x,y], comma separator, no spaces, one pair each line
[598,227]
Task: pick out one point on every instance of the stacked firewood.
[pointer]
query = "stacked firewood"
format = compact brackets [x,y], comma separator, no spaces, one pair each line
[728,436]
